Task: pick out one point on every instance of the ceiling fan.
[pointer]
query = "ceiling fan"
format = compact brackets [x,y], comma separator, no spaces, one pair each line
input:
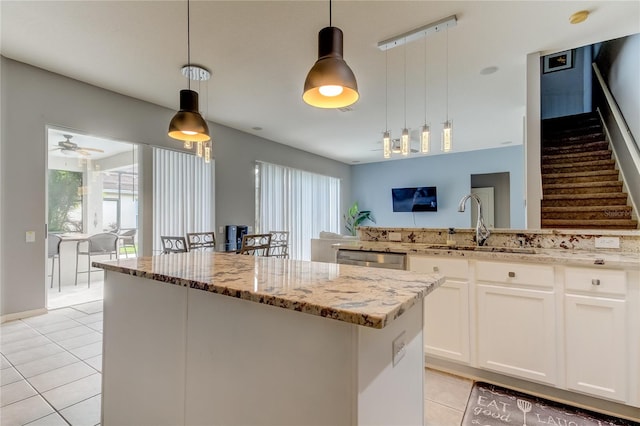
[67,147]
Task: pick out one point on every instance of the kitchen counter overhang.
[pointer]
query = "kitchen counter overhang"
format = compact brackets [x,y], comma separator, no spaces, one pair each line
[362,296]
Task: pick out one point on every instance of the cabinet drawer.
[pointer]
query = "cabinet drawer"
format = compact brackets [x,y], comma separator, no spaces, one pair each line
[450,268]
[515,273]
[596,280]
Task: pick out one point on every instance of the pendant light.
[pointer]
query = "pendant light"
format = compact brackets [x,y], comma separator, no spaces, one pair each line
[330,83]
[426,132]
[386,137]
[188,124]
[447,137]
[404,138]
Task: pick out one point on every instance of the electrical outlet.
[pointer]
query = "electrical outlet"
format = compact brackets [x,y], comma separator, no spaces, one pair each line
[250,229]
[395,236]
[607,242]
[398,349]
[30,236]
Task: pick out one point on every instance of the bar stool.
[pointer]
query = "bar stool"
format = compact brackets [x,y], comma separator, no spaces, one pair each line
[174,245]
[53,253]
[96,245]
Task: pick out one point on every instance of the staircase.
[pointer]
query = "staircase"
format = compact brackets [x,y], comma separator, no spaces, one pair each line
[580,183]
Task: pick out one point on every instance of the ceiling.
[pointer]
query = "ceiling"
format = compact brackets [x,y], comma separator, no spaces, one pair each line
[259,53]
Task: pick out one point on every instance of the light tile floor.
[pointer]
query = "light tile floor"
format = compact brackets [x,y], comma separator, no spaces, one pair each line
[51,373]
[50,368]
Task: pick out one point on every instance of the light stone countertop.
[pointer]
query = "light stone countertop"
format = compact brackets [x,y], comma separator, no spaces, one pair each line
[368,297]
[615,259]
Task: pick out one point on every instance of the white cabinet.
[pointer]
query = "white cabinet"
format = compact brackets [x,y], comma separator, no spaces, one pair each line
[516,323]
[596,332]
[446,315]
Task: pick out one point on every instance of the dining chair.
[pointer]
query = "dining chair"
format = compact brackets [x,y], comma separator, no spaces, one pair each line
[174,245]
[279,244]
[96,245]
[205,241]
[127,239]
[256,244]
[53,253]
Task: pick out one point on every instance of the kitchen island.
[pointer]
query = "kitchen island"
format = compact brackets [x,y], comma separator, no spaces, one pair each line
[215,338]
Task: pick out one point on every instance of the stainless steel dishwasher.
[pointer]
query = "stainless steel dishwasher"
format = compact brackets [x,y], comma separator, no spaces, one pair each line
[372,258]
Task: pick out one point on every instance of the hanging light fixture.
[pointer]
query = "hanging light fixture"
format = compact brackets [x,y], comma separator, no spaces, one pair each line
[426,132]
[330,83]
[404,138]
[386,137]
[447,137]
[188,124]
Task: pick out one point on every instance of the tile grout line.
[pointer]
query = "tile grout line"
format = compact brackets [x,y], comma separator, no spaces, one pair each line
[40,394]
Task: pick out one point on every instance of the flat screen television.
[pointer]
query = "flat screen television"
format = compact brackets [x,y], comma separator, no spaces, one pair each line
[421,199]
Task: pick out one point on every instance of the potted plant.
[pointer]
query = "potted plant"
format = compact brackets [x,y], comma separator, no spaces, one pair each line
[355,217]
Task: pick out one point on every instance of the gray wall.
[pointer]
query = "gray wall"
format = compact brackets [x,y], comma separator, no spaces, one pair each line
[38,98]
[563,92]
[619,62]
[371,185]
[501,184]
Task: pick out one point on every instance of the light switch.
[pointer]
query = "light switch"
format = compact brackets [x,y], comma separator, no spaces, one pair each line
[30,236]
[221,229]
[398,349]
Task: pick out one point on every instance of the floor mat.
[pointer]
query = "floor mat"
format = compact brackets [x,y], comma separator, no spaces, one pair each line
[491,405]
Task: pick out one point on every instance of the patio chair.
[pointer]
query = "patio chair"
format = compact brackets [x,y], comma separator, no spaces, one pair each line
[127,239]
[205,241]
[174,245]
[53,253]
[96,245]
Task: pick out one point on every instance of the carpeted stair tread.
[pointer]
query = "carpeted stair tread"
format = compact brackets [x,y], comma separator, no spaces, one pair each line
[574,200]
[584,176]
[590,224]
[577,156]
[581,187]
[578,139]
[587,146]
[579,166]
[586,212]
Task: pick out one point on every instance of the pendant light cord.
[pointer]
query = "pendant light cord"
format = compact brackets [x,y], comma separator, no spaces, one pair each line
[405,83]
[425,81]
[386,90]
[447,72]
[330,13]
[189,43]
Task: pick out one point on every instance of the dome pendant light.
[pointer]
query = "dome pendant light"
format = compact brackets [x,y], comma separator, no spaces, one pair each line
[330,83]
[188,124]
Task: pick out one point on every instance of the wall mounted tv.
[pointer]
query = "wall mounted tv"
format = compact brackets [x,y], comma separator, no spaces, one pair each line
[421,199]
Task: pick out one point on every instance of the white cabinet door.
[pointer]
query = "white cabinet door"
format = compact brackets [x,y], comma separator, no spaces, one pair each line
[446,310]
[516,332]
[446,324]
[596,347]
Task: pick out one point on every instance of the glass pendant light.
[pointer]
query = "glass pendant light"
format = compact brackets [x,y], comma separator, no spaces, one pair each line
[207,151]
[188,144]
[330,83]
[426,132]
[188,124]
[447,130]
[200,148]
[404,138]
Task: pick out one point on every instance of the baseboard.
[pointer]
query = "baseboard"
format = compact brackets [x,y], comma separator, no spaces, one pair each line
[22,315]
[536,389]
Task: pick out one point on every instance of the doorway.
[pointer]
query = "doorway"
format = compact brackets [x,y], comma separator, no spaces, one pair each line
[92,189]
[494,191]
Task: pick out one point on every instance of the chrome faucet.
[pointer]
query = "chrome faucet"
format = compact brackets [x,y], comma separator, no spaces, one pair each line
[482,233]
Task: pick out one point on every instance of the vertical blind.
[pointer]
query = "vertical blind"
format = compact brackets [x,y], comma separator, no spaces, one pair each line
[183,195]
[297,201]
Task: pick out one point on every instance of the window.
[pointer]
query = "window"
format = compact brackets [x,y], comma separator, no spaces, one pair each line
[183,195]
[297,201]
[65,201]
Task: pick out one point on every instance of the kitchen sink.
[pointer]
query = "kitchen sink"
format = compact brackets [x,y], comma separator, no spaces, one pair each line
[519,250]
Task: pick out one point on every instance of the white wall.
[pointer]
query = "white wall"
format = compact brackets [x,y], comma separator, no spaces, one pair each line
[39,98]
[450,173]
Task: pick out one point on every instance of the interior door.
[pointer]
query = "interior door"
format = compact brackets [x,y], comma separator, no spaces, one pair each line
[488,206]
